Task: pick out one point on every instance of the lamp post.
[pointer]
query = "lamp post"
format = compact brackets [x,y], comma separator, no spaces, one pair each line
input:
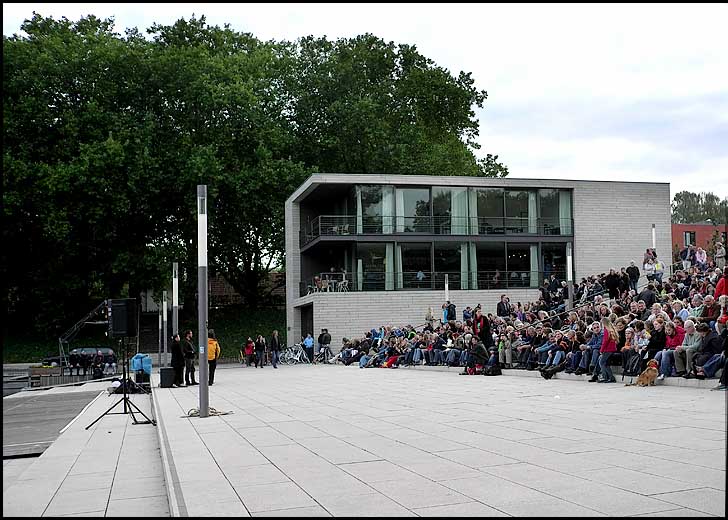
[175,298]
[202,297]
[164,325]
[569,276]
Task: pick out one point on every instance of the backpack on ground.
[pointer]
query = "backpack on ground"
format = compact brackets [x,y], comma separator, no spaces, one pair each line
[633,365]
[493,370]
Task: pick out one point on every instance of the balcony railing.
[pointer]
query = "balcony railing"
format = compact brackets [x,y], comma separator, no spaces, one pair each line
[424,280]
[341,225]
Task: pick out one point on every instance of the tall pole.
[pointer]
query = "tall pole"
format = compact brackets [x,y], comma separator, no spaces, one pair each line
[159,360]
[569,276]
[202,296]
[175,298]
[653,237]
[164,324]
[447,289]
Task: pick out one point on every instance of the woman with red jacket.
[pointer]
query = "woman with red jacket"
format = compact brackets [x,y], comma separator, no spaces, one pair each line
[721,289]
[609,347]
[674,335]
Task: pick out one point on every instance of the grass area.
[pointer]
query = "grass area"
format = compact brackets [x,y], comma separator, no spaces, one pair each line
[232,326]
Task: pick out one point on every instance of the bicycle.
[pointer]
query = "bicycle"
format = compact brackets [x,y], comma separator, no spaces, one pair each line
[324,355]
[294,355]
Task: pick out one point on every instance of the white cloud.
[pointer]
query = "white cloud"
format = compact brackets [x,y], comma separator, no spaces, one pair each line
[609,91]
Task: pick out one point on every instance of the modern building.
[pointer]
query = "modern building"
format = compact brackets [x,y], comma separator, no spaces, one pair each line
[368,250]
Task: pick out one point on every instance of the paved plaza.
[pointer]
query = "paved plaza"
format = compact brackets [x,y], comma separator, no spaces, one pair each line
[112,469]
[340,441]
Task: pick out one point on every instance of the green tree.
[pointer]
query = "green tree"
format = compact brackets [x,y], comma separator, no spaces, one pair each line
[689,207]
[106,137]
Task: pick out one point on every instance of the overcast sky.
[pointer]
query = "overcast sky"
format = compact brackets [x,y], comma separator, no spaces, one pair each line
[606,92]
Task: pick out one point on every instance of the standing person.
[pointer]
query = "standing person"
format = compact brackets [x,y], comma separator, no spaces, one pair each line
[634,275]
[325,341]
[430,317]
[249,351]
[608,347]
[275,348]
[719,255]
[308,346]
[701,258]
[213,354]
[319,344]
[503,309]
[259,351]
[178,360]
[188,350]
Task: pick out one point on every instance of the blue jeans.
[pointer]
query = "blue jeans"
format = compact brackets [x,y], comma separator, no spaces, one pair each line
[556,358]
[575,359]
[589,357]
[604,367]
[713,364]
[274,358]
[364,360]
[665,358]
[438,356]
[463,358]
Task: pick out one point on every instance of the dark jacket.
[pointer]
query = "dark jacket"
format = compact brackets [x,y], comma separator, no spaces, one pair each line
[188,350]
[634,272]
[275,344]
[658,340]
[260,346]
[711,344]
[451,313]
[479,353]
[648,296]
[325,338]
[178,359]
[503,309]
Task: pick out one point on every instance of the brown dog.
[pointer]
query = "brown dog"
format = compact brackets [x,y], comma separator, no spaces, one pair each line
[648,376]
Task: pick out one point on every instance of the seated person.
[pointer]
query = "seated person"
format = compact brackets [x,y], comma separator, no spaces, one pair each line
[478,355]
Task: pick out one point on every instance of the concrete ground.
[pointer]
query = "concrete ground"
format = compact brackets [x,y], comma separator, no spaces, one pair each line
[112,469]
[340,441]
[32,420]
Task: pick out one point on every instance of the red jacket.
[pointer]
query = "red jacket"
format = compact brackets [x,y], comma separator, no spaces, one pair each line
[675,341]
[608,344]
[721,288]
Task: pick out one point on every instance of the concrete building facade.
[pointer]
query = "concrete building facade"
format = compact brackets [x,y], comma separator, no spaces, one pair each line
[370,250]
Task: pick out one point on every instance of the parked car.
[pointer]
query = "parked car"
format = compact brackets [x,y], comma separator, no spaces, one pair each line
[108,353]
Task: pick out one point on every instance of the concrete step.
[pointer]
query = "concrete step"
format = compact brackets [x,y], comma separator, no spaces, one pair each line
[669,381]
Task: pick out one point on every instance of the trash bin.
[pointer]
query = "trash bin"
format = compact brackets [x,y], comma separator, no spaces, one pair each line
[166,377]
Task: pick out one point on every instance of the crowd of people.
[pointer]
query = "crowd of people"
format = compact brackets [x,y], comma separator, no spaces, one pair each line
[679,320]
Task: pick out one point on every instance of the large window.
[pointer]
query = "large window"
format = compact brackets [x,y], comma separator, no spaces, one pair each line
[450,211]
[374,209]
[490,259]
[522,265]
[521,211]
[554,212]
[486,210]
[375,267]
[554,260]
[413,210]
[451,258]
[414,266]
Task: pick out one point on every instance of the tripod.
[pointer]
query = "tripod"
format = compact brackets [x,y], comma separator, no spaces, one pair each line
[129,406]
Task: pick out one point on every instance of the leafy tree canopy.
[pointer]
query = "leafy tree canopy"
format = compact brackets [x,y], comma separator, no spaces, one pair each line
[106,136]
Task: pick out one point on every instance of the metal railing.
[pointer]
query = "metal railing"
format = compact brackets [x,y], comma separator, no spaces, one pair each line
[424,280]
[341,225]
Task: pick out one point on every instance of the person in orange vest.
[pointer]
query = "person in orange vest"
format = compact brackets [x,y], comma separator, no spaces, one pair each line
[213,354]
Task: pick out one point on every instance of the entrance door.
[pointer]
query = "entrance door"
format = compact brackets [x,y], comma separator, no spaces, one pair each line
[306,321]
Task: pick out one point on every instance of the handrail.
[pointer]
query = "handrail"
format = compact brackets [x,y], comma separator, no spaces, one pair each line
[337,225]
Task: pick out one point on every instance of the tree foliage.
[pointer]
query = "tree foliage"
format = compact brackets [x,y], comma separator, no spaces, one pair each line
[689,208]
[106,137]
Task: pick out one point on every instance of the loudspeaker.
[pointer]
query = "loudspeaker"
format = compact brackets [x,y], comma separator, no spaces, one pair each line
[166,377]
[122,318]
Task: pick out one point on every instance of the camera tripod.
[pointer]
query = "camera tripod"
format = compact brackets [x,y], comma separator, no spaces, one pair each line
[129,406]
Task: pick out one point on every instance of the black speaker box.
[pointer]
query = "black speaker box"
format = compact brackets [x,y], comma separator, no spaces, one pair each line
[123,318]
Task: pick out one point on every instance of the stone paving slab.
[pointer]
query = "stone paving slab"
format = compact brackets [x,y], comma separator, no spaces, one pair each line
[425,442]
[111,469]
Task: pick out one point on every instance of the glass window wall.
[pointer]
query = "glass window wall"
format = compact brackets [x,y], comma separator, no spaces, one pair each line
[486,211]
[414,265]
[413,210]
[555,211]
[375,267]
[451,258]
[522,265]
[490,258]
[450,211]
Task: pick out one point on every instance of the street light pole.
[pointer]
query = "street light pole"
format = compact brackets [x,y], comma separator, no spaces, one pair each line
[164,325]
[569,276]
[202,297]
[175,298]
